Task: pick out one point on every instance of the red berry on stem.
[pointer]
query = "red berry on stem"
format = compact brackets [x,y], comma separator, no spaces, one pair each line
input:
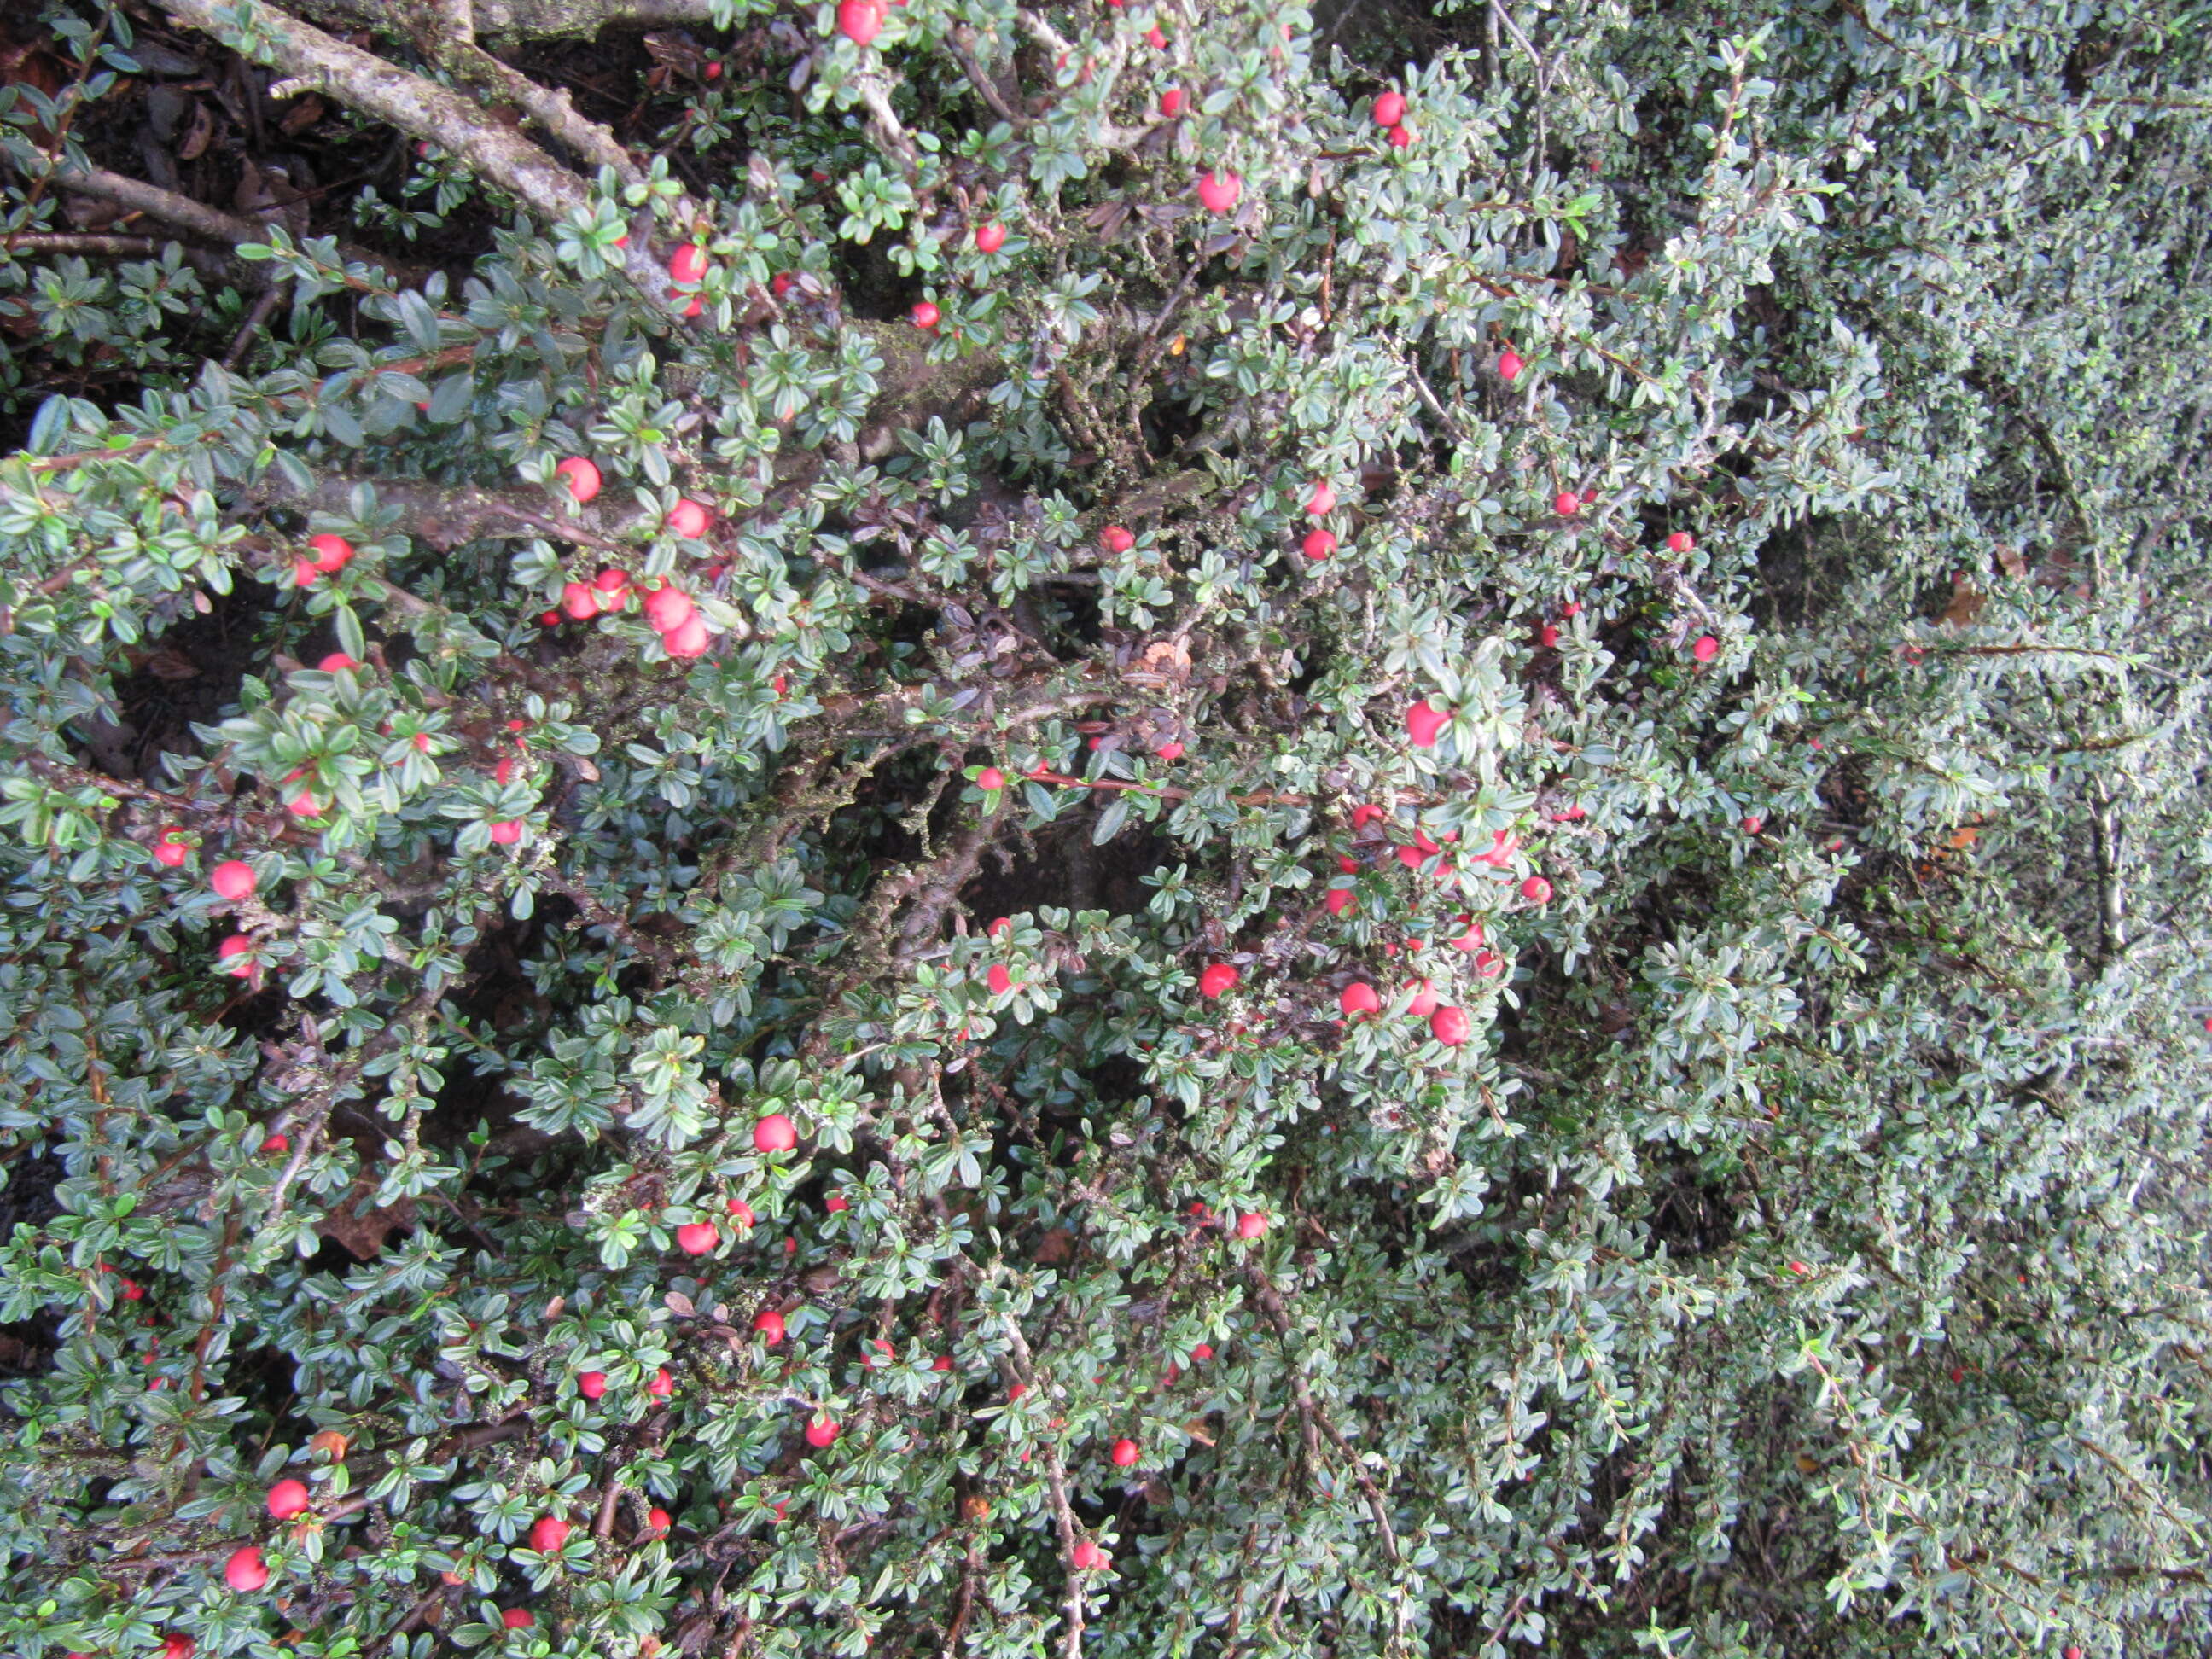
[1088,1556]
[1217,980]
[1170,751]
[1680,542]
[1219,190]
[1537,890]
[583,477]
[336,662]
[1171,102]
[1424,721]
[687,264]
[775,1133]
[689,518]
[1424,1000]
[860,20]
[578,601]
[1508,366]
[1401,137]
[662,1386]
[236,946]
[246,1570]
[548,1535]
[590,1384]
[1114,539]
[170,853]
[1124,1452]
[1154,39]
[990,238]
[741,1215]
[1566,503]
[668,607]
[1000,980]
[506,832]
[287,1498]
[925,314]
[1707,648]
[278,1143]
[331,552]
[516,1619]
[1451,1026]
[697,1238]
[990,778]
[688,639]
[1318,544]
[1251,1224]
[822,1432]
[1357,997]
[1389,109]
[768,1323]
[656,1522]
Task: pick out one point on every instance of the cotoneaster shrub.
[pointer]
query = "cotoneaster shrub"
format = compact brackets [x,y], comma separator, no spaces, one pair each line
[1232,880]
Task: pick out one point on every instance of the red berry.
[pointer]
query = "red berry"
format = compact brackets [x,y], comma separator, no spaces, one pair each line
[236,946]
[662,1386]
[278,1143]
[1566,503]
[1680,542]
[1318,544]
[1357,997]
[1088,1556]
[548,1535]
[1000,980]
[1424,721]
[668,607]
[1171,102]
[990,778]
[169,852]
[592,1384]
[1707,648]
[1155,39]
[925,314]
[687,639]
[304,805]
[1364,816]
[331,552]
[517,1619]
[775,1133]
[822,1432]
[1001,928]
[1389,109]
[1537,890]
[656,1522]
[1451,1026]
[1124,1452]
[1401,137]
[836,1203]
[578,601]
[1116,539]
[688,518]
[1339,901]
[246,1570]
[1753,824]
[1218,190]
[176,1645]
[506,832]
[990,238]
[1424,1000]
[1251,1224]
[1204,1351]
[769,1323]
[287,1499]
[1217,979]
[782,283]
[697,1238]
[583,477]
[337,662]
[1170,751]
[1508,366]
[860,20]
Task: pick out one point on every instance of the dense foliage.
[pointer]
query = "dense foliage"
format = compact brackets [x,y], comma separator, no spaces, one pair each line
[1725,484]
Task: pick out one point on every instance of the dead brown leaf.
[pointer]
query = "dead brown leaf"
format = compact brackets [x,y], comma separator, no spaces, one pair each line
[365,1232]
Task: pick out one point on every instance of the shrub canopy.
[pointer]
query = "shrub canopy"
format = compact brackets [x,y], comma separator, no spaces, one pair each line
[1658,622]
